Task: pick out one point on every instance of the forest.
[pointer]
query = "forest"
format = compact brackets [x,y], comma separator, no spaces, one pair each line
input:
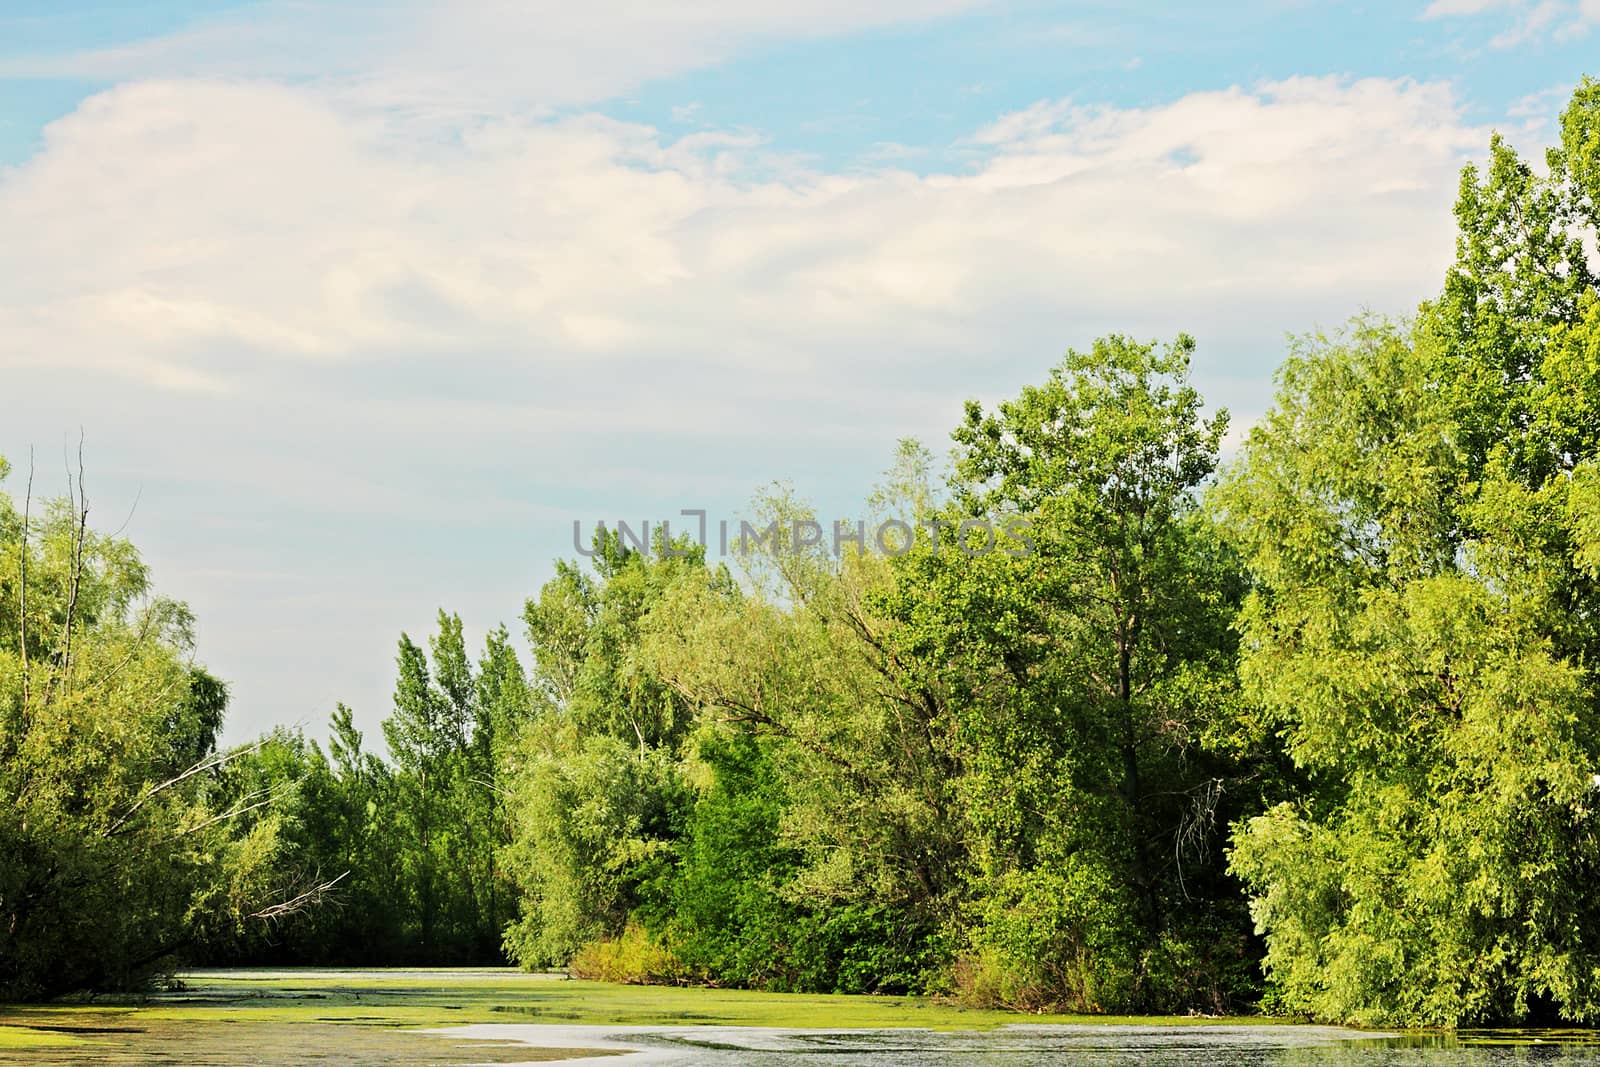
[1303,725]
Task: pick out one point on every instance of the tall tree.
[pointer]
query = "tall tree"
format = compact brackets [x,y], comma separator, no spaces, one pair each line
[418,734]
[595,790]
[1086,660]
[1419,513]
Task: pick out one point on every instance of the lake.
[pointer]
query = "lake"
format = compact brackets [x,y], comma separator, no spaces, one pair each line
[490,1015]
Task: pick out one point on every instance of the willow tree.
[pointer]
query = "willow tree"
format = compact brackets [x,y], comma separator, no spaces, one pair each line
[592,781]
[825,849]
[114,856]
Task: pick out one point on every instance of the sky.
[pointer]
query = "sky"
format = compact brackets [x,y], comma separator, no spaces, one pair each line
[359,307]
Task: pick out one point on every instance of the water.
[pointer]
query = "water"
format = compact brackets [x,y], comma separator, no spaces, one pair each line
[233,1043]
[1056,1046]
[365,1018]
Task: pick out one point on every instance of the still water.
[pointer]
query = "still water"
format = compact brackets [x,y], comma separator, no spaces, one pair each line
[371,1017]
[236,1043]
[1038,1046]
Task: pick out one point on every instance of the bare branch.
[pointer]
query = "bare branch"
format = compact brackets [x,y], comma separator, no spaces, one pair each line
[285,908]
[241,808]
[209,763]
[499,790]
[138,494]
[79,499]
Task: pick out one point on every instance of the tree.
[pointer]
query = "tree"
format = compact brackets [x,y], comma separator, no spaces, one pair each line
[441,737]
[115,856]
[1411,635]
[1418,512]
[824,820]
[419,739]
[594,789]
[1085,662]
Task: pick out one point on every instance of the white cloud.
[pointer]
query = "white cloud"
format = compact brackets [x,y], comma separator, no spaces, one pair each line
[167,226]
[1448,8]
[1588,16]
[1537,112]
[1537,23]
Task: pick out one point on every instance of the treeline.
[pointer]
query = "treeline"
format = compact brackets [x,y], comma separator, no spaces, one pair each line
[1314,731]
[415,839]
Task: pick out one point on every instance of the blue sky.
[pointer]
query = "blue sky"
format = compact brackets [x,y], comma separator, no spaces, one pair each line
[365,304]
[926,84]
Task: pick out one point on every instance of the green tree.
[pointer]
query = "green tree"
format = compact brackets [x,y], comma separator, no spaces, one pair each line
[823,814]
[593,789]
[1418,512]
[441,737]
[418,733]
[1085,657]
[1406,636]
[115,856]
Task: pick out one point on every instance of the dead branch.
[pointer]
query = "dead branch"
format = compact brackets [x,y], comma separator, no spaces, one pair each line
[79,499]
[285,908]
[206,764]
[243,807]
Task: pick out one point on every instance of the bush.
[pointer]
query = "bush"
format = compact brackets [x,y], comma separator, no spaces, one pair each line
[632,958]
[1058,938]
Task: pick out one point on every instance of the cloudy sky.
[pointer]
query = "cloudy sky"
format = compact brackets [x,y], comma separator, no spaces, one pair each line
[359,306]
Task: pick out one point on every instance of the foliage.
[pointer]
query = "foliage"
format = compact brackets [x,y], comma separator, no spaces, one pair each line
[414,840]
[1084,680]
[1416,514]
[632,957]
[116,856]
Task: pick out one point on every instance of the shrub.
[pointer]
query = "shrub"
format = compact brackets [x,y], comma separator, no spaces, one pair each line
[634,958]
